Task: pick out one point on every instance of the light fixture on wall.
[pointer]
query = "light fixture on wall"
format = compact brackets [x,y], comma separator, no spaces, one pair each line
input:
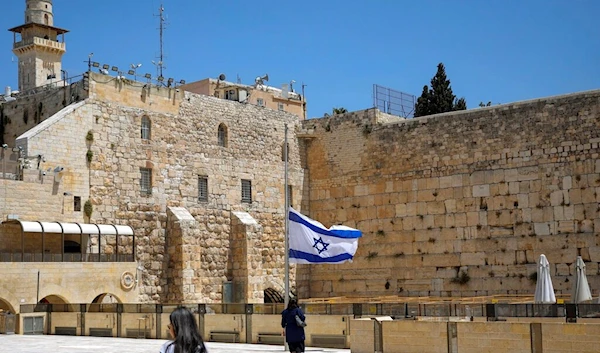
[58,174]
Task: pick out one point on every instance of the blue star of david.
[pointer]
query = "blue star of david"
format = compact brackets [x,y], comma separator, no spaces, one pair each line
[320,245]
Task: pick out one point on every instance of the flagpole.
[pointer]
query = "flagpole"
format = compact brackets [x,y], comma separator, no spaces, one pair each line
[286,294]
[287,244]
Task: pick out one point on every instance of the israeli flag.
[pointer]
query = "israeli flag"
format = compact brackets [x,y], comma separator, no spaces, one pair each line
[311,243]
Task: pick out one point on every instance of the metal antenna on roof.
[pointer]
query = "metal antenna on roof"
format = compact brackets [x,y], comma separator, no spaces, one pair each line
[161,58]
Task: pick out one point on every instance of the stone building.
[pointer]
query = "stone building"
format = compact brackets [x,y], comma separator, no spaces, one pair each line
[198,179]
[282,99]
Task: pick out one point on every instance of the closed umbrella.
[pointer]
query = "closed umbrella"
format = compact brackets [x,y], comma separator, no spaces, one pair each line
[581,289]
[544,291]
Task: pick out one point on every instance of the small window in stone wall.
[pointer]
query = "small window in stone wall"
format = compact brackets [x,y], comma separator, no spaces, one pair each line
[280,106]
[246,191]
[146,128]
[260,102]
[146,181]
[203,188]
[222,135]
[77,203]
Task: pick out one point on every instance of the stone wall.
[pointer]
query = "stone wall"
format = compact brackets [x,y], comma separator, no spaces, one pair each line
[182,261]
[37,198]
[35,106]
[244,267]
[458,204]
[72,282]
[533,335]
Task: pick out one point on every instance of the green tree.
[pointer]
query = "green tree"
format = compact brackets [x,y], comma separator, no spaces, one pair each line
[334,111]
[439,98]
[340,110]
[423,103]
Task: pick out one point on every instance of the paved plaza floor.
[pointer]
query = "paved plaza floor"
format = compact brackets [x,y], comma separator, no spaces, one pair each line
[79,344]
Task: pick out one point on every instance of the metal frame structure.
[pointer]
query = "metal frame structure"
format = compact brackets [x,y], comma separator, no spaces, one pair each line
[394,102]
[72,228]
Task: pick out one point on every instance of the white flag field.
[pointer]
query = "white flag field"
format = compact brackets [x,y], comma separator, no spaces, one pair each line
[311,243]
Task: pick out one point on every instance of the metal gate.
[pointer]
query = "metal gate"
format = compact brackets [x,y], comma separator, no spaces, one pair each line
[33,325]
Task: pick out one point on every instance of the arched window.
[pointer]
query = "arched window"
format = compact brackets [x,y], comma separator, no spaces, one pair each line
[46,19]
[222,135]
[146,125]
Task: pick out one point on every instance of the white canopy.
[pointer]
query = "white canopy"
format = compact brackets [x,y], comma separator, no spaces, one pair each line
[544,291]
[581,288]
[72,228]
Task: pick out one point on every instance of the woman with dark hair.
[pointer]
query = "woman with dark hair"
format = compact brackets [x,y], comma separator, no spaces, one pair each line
[294,333]
[184,330]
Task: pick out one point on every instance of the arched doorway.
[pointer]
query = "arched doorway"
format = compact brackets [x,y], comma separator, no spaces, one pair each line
[106,298]
[52,299]
[273,296]
[72,247]
[6,307]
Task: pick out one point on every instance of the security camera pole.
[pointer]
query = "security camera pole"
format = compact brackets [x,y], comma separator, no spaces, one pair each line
[4,147]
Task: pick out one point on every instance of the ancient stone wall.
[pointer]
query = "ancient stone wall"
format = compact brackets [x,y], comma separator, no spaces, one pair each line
[183,257]
[461,203]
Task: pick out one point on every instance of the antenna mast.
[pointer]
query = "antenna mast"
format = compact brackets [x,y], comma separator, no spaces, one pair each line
[160,64]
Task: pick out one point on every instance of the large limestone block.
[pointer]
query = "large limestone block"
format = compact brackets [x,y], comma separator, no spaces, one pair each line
[481,190]
[473,259]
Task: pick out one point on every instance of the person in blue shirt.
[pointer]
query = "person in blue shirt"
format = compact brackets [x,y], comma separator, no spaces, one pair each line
[294,334]
[184,330]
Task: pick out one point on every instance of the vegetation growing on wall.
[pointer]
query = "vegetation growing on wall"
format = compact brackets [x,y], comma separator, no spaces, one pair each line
[88,208]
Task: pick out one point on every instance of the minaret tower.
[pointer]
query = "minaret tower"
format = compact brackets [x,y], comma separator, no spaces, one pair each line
[37,45]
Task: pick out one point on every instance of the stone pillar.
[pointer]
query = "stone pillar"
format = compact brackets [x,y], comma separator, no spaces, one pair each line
[183,251]
[245,262]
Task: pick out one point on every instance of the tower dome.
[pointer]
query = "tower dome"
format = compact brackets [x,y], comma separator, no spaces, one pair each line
[39,11]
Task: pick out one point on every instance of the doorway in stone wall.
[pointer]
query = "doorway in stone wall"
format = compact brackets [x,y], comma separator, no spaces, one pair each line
[273,296]
[5,306]
[106,298]
[52,299]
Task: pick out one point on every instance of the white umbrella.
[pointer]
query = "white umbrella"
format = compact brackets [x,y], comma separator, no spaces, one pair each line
[544,291]
[581,289]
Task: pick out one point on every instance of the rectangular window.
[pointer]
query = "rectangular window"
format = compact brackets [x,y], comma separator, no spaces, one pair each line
[246,191]
[260,102]
[77,203]
[202,188]
[146,181]
[145,128]
[280,106]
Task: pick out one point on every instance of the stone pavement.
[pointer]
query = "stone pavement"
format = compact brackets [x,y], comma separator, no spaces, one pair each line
[78,344]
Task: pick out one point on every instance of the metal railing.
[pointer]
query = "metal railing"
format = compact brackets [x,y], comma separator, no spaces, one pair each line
[396,310]
[68,257]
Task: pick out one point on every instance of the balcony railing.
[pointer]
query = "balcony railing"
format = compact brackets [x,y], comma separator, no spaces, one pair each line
[40,41]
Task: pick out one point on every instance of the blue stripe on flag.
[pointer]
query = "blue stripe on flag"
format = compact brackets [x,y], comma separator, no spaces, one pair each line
[339,233]
[316,258]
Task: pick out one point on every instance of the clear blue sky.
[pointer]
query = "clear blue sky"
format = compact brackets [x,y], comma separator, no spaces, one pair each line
[494,50]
